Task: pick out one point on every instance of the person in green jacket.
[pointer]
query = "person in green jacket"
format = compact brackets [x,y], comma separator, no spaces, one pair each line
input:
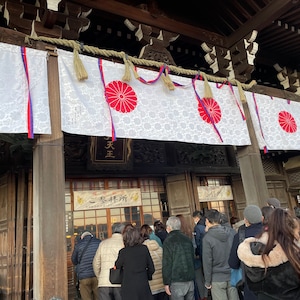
[178,262]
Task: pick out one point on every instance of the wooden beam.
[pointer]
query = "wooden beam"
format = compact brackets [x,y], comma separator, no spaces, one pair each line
[17,38]
[261,19]
[28,268]
[11,233]
[19,252]
[49,241]
[270,91]
[161,22]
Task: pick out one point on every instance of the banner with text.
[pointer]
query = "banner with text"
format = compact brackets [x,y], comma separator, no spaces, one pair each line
[84,200]
[215,193]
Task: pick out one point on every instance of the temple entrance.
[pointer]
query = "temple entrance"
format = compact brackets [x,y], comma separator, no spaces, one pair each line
[215,193]
[98,221]
[93,205]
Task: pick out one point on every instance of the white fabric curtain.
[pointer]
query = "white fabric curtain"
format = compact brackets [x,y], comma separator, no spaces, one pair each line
[152,111]
[135,109]
[15,90]
[276,122]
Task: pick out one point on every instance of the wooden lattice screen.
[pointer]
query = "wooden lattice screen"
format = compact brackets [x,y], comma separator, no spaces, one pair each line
[16,236]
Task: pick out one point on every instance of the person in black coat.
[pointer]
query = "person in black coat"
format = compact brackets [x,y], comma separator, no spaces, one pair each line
[137,265]
[160,230]
[199,232]
[82,257]
[253,226]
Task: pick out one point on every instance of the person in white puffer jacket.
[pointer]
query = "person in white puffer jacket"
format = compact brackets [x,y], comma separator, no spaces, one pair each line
[104,259]
[156,284]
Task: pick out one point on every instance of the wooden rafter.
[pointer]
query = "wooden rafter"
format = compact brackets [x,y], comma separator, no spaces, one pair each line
[262,18]
[161,22]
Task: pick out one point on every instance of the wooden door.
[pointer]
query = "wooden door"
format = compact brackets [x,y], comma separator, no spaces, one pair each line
[277,189]
[180,195]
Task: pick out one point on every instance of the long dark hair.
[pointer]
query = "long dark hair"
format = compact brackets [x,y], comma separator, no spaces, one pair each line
[266,212]
[146,230]
[159,226]
[281,228]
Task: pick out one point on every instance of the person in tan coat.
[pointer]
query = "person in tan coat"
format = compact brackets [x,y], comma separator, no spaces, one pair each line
[156,284]
[104,259]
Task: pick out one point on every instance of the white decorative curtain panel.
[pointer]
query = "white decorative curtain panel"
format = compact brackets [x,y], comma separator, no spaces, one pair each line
[276,122]
[104,105]
[23,90]
[146,110]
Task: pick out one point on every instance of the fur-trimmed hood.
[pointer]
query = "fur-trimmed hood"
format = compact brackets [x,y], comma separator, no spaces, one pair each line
[275,257]
[277,279]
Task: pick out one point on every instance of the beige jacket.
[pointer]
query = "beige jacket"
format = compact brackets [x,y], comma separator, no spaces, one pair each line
[273,259]
[156,252]
[105,258]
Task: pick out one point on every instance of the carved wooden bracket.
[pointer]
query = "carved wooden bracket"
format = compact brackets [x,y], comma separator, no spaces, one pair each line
[288,78]
[236,62]
[155,46]
[53,4]
[47,18]
[243,55]
[219,60]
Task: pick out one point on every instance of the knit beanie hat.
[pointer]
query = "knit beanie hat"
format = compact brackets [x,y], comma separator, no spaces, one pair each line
[273,202]
[253,214]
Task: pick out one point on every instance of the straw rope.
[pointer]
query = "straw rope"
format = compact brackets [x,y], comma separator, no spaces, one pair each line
[130,61]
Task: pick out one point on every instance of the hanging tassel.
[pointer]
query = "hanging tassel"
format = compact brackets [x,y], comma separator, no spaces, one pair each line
[80,71]
[167,80]
[241,92]
[127,74]
[207,90]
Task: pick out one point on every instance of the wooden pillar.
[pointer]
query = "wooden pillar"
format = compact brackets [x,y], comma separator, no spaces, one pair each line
[49,241]
[252,172]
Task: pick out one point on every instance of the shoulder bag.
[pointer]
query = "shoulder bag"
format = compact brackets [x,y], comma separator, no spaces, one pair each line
[115,275]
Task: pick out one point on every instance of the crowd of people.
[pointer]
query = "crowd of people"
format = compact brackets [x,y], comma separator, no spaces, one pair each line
[181,261]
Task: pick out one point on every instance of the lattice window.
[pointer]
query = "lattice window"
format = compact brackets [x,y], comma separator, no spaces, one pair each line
[294,178]
[270,166]
[99,220]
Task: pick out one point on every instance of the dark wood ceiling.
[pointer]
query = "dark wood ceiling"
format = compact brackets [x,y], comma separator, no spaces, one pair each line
[218,22]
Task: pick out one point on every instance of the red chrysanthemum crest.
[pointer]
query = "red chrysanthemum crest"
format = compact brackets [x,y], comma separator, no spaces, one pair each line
[121,96]
[212,107]
[287,122]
